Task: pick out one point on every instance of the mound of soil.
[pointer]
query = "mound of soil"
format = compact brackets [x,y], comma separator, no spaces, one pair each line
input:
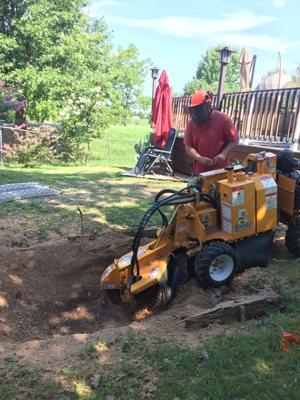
[53,288]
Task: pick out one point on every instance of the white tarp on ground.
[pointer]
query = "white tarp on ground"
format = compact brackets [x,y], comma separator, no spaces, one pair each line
[18,191]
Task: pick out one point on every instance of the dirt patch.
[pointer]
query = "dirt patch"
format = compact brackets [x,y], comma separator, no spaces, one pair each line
[168,324]
[53,289]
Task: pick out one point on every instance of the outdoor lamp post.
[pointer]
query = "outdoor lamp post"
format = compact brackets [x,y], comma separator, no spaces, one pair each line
[225,55]
[154,75]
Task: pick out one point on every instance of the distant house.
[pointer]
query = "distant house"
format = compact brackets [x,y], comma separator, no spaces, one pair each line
[274,81]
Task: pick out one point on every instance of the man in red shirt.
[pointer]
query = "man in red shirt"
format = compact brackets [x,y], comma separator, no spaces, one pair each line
[210,135]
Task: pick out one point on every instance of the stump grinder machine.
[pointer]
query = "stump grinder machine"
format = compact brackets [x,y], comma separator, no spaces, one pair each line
[223,222]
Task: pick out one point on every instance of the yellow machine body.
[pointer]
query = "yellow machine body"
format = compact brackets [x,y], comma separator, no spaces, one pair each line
[238,207]
[247,207]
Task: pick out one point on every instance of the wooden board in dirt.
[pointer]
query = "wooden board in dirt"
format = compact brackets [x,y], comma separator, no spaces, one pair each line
[247,307]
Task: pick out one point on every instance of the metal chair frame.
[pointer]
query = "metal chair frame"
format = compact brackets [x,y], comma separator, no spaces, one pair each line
[156,157]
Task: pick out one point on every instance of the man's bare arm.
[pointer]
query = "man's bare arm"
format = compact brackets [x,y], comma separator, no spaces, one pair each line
[196,156]
[222,156]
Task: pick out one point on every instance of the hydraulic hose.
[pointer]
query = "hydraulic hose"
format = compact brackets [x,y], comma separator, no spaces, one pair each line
[171,200]
[162,192]
[176,198]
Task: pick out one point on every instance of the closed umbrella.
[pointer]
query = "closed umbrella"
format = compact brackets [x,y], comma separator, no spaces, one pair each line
[162,110]
[245,62]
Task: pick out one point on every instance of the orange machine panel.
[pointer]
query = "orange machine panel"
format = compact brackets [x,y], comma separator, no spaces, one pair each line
[238,206]
[286,193]
[266,202]
[213,177]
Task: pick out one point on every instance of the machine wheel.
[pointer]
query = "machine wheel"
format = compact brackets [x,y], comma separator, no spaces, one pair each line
[154,298]
[216,264]
[292,237]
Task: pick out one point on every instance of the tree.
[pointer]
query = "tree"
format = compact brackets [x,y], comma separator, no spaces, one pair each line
[208,70]
[128,75]
[10,10]
[53,49]
[143,107]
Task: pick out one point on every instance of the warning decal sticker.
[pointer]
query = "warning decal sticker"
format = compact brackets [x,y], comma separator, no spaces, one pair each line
[238,197]
[269,184]
[271,202]
[227,226]
[226,211]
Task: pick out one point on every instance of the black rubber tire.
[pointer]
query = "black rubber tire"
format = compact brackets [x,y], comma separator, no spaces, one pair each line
[292,237]
[204,259]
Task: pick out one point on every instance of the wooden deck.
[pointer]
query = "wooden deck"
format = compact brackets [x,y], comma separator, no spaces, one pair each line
[264,117]
[183,163]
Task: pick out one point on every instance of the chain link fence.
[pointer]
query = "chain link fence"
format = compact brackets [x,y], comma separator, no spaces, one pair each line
[110,152]
[105,152]
[7,137]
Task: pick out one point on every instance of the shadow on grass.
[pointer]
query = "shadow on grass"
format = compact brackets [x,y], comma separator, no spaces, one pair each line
[105,197]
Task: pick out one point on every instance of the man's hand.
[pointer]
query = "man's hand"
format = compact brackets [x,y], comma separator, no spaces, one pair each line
[219,159]
[205,161]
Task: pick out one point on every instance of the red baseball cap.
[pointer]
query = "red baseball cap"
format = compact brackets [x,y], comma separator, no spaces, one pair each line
[200,97]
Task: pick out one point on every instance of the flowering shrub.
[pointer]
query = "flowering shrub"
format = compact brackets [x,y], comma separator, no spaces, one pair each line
[36,146]
[83,119]
[12,103]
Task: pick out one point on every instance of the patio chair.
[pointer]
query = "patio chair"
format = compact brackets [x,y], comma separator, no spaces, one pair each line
[157,160]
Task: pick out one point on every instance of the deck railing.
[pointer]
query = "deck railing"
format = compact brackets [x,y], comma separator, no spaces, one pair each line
[264,115]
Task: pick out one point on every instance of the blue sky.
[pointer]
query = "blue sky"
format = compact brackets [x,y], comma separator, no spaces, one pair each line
[175,33]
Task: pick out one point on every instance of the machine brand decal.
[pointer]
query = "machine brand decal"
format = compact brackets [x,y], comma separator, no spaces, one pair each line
[242,216]
[269,184]
[238,197]
[226,210]
[181,228]
[243,227]
[153,272]
[127,258]
[271,202]
[243,223]
[227,226]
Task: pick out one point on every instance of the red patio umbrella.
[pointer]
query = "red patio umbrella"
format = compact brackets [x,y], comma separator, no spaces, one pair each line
[162,110]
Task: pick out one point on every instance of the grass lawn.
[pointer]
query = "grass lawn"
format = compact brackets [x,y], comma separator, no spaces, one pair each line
[106,198]
[98,189]
[244,362]
[115,148]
